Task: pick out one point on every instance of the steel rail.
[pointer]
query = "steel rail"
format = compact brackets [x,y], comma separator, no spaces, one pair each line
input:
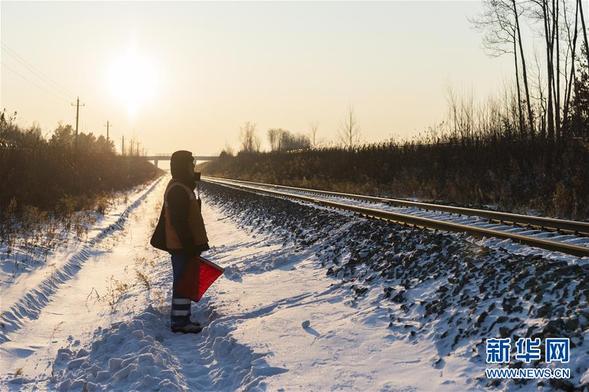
[545,223]
[407,219]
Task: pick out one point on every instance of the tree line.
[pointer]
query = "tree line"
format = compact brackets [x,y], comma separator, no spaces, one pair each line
[64,172]
[283,140]
[505,173]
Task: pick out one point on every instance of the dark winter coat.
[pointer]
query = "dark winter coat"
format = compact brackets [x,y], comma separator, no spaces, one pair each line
[178,203]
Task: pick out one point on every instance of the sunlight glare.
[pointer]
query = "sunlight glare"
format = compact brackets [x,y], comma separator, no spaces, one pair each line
[133,81]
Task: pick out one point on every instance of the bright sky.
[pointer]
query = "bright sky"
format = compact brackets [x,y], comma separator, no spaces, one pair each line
[188,75]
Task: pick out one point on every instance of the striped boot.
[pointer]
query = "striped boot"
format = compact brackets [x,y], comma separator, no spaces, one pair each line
[181,317]
[180,311]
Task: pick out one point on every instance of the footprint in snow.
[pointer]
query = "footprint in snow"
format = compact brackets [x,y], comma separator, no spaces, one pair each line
[307,327]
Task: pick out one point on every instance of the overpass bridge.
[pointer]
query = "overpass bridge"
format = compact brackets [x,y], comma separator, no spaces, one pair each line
[166,157]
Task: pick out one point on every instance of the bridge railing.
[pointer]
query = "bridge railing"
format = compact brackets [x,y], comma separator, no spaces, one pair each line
[167,157]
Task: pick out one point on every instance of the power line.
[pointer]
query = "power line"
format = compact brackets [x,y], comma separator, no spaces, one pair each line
[35,71]
[41,77]
[55,94]
[49,85]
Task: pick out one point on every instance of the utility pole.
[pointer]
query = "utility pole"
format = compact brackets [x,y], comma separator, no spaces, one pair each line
[123,146]
[77,117]
[107,129]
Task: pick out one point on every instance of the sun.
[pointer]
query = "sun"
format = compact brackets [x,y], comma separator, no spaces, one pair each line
[133,80]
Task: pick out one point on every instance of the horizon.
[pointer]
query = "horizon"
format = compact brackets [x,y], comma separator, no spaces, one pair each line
[199,71]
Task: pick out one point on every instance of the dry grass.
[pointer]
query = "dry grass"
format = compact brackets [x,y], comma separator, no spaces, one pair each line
[513,174]
[142,279]
[159,299]
[115,290]
[33,234]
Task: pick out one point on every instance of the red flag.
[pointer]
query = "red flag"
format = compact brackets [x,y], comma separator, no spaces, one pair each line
[197,276]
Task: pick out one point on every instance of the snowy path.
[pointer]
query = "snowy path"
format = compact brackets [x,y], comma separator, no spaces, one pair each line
[26,294]
[256,336]
[58,301]
[275,321]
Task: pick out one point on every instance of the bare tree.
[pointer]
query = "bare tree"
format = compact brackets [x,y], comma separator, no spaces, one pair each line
[556,80]
[349,134]
[584,28]
[556,22]
[541,98]
[227,150]
[284,140]
[461,115]
[571,49]
[313,133]
[249,140]
[546,11]
[516,16]
[500,22]
[274,139]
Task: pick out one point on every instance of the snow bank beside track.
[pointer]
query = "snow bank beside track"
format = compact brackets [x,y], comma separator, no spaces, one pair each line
[435,286]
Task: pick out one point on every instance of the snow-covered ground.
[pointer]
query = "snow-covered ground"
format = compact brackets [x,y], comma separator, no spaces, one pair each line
[311,300]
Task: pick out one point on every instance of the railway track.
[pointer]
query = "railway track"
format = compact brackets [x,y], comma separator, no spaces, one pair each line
[559,235]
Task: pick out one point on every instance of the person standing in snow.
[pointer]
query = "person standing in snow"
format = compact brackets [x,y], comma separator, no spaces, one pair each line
[181,232]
